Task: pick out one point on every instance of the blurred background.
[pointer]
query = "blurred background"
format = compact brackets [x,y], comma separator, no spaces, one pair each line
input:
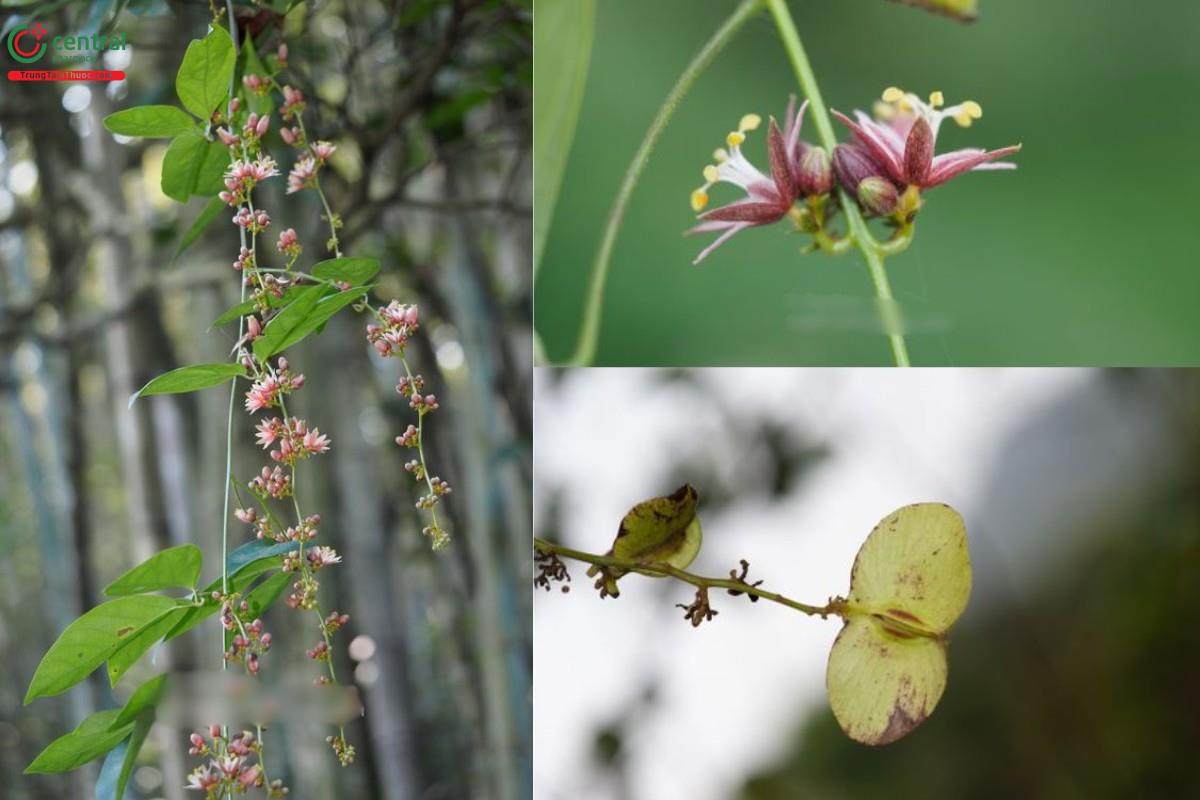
[1081,257]
[1072,672]
[428,103]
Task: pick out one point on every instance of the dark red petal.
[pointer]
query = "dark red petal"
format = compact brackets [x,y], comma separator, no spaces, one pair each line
[877,147]
[852,165]
[780,168]
[918,153]
[952,168]
[747,211]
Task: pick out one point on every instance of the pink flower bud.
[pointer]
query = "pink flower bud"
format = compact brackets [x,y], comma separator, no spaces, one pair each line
[214,731]
[282,53]
[263,125]
[816,172]
[253,326]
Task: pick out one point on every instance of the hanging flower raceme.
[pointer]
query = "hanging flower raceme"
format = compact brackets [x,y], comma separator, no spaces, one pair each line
[797,169]
[900,143]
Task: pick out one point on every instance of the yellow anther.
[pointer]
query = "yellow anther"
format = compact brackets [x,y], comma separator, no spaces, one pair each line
[904,105]
[710,174]
[972,109]
[892,95]
[884,111]
[735,138]
[963,119]
[937,99]
[699,199]
[749,122]
[720,156]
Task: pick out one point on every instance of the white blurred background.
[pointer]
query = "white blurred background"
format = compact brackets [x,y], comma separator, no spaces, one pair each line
[794,468]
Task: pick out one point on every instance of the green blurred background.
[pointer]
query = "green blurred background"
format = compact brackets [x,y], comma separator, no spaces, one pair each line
[1082,256]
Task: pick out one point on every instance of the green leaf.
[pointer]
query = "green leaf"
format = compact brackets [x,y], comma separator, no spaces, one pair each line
[244,565]
[355,271]
[118,766]
[302,318]
[136,645]
[173,568]
[90,740]
[203,220]
[146,696]
[242,309]
[267,592]
[90,640]
[258,103]
[189,379]
[563,43]
[151,121]
[961,10]
[202,82]
[193,165]
[255,551]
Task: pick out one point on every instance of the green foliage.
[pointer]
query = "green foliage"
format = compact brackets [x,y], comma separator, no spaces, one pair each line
[266,593]
[189,379]
[90,640]
[144,697]
[150,121]
[252,65]
[233,313]
[136,645]
[308,312]
[911,580]
[202,82]
[563,42]
[93,738]
[203,220]
[193,165]
[355,271]
[173,568]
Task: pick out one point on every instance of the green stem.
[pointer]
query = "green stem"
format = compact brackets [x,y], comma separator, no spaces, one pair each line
[835,606]
[866,244]
[589,332]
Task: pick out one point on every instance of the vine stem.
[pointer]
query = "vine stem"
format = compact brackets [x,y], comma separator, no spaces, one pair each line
[871,250]
[835,606]
[589,331]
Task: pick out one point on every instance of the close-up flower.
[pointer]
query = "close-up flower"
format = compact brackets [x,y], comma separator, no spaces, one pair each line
[768,198]
[902,139]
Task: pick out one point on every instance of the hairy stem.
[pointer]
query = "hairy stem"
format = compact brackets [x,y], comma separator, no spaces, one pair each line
[871,250]
[589,331]
[834,606]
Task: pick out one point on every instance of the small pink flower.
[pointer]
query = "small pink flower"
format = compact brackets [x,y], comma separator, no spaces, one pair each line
[268,431]
[319,557]
[202,779]
[293,102]
[282,54]
[256,83]
[253,327]
[323,150]
[316,442]
[302,174]
[227,138]
[246,515]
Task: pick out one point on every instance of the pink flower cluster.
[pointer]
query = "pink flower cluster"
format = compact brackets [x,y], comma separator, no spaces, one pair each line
[267,390]
[296,440]
[272,483]
[242,176]
[229,770]
[250,642]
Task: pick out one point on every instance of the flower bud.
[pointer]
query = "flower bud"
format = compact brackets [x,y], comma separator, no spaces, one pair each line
[878,196]
[852,165]
[816,173]
[214,731]
[263,125]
